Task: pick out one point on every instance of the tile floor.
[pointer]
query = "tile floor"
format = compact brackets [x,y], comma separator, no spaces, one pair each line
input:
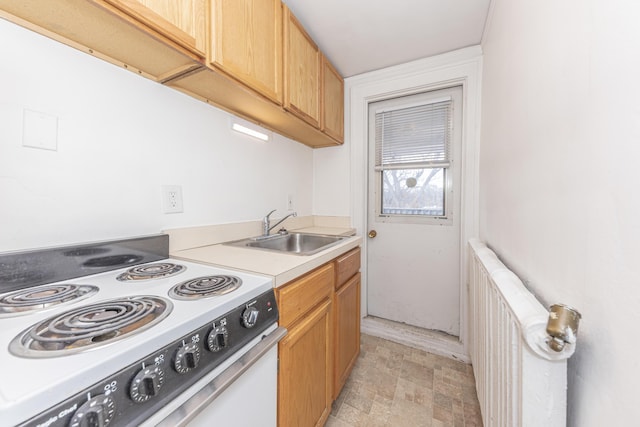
[399,386]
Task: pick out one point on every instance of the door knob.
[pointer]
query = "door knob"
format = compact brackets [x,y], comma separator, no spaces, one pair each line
[372,234]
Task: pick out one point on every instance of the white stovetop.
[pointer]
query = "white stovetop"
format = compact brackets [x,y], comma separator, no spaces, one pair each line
[29,386]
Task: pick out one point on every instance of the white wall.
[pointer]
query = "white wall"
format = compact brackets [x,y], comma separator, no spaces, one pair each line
[120,138]
[559,178]
[332,181]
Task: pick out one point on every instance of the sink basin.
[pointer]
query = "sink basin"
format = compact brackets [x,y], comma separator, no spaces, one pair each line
[292,243]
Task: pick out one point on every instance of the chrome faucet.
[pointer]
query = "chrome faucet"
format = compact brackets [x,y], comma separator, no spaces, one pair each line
[266,224]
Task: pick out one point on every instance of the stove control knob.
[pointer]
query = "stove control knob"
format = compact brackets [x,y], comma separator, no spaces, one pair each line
[187,358]
[97,411]
[250,317]
[218,339]
[146,383]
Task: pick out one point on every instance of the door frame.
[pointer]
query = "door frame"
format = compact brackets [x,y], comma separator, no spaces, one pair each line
[461,67]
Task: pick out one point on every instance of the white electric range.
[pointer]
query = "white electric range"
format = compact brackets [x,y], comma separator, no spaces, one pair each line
[126,346]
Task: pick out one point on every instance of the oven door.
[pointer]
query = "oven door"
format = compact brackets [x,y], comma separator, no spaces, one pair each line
[241,392]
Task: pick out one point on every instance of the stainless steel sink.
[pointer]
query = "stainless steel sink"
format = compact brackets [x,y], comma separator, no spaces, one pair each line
[291,243]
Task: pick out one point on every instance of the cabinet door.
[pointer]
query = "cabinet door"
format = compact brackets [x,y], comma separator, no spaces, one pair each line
[302,68]
[305,371]
[347,331]
[246,42]
[182,21]
[332,122]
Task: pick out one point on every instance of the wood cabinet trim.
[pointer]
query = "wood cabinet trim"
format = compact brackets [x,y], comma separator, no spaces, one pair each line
[217,88]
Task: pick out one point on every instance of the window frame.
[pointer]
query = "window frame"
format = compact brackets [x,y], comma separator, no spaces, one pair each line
[414,100]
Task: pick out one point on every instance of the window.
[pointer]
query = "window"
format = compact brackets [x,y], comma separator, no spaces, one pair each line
[413,159]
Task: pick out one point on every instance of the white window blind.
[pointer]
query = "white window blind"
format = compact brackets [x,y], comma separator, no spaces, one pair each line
[414,137]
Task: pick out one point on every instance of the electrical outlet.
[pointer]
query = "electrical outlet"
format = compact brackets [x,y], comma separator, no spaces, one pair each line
[290,205]
[172,198]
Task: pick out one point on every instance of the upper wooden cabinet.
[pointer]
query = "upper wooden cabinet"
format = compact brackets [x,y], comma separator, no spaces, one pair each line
[251,58]
[183,21]
[302,70]
[105,31]
[246,42]
[332,102]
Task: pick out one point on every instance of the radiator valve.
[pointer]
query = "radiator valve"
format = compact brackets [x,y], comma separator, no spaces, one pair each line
[562,326]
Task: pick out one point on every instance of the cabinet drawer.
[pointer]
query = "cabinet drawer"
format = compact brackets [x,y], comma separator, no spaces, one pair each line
[298,297]
[346,266]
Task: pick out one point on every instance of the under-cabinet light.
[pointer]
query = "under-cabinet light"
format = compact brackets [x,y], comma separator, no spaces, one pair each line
[249,129]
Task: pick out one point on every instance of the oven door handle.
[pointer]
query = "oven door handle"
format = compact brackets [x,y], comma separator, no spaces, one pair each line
[207,394]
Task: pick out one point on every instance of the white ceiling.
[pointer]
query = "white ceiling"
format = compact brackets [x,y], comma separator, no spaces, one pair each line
[364,35]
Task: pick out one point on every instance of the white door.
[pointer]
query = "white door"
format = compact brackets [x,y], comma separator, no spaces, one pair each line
[414,209]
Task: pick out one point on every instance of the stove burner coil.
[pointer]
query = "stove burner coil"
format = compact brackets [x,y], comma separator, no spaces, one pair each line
[42,297]
[90,326]
[151,271]
[205,287]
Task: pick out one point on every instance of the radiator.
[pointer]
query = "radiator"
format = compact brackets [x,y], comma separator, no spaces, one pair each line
[520,382]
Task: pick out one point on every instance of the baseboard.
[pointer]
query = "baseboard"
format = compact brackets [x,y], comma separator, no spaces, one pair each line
[423,339]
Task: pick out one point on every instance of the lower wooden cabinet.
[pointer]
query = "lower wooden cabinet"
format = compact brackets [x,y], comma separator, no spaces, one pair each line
[321,311]
[346,331]
[305,370]
[304,376]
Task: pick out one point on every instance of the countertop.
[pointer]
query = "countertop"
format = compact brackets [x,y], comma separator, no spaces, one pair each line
[281,266]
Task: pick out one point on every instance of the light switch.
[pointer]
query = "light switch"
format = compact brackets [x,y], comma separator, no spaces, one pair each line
[40,130]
